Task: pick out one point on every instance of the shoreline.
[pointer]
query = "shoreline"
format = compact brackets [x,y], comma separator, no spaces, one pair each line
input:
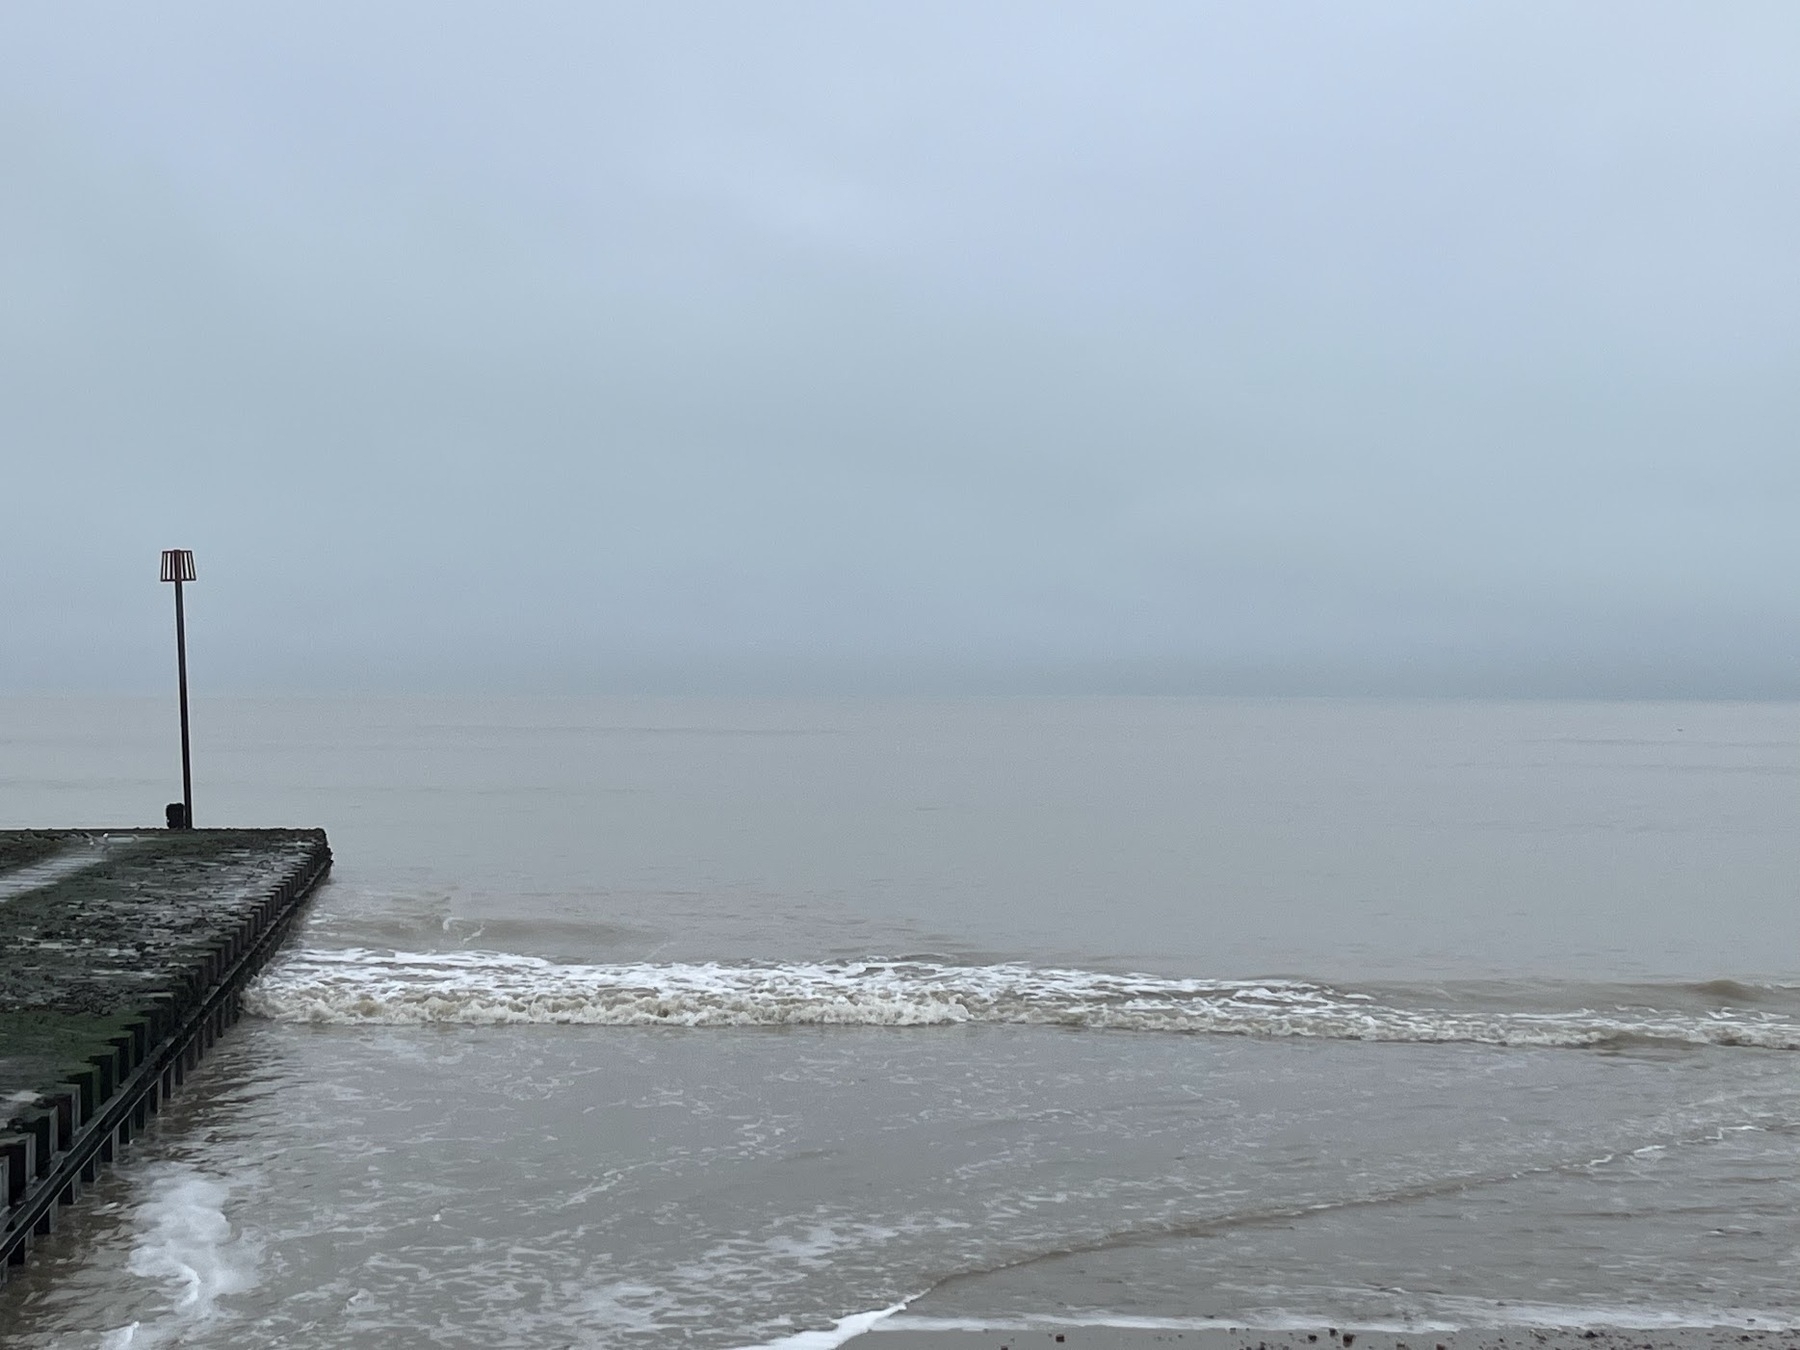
[1014,1334]
[123,957]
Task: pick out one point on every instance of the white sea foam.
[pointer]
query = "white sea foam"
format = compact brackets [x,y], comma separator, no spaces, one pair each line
[186,1245]
[830,1338]
[359,985]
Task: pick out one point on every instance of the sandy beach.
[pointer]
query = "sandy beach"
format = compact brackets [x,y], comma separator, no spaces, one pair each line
[903,1337]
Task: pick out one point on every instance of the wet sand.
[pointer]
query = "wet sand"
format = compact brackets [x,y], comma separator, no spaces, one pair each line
[902,1337]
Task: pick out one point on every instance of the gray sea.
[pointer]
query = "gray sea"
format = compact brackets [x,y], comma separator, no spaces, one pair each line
[741,1023]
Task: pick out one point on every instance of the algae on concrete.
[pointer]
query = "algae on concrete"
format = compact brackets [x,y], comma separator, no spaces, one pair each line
[22,848]
[85,954]
[39,1049]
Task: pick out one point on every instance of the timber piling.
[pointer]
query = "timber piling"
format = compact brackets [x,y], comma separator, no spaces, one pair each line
[123,956]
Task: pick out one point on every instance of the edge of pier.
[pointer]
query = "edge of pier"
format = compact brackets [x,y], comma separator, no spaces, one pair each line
[123,957]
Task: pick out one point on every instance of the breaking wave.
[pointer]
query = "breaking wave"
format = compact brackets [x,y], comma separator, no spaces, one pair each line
[488,988]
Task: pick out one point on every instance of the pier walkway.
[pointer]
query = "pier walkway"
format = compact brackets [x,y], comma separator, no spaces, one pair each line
[122,956]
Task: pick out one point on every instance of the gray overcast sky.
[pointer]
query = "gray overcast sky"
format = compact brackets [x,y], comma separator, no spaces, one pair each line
[1263,346]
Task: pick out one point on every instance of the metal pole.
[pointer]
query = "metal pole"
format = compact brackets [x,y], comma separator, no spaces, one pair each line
[187,773]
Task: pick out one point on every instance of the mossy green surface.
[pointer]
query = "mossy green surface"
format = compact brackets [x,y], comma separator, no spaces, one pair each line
[39,1050]
[21,848]
[85,955]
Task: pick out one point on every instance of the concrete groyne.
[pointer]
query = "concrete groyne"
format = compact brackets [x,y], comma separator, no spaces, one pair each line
[122,958]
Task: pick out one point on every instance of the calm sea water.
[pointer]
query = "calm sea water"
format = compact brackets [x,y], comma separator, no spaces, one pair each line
[711,1023]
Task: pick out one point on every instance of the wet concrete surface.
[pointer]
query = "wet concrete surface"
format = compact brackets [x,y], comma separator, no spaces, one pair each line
[122,959]
[1327,1338]
[132,921]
